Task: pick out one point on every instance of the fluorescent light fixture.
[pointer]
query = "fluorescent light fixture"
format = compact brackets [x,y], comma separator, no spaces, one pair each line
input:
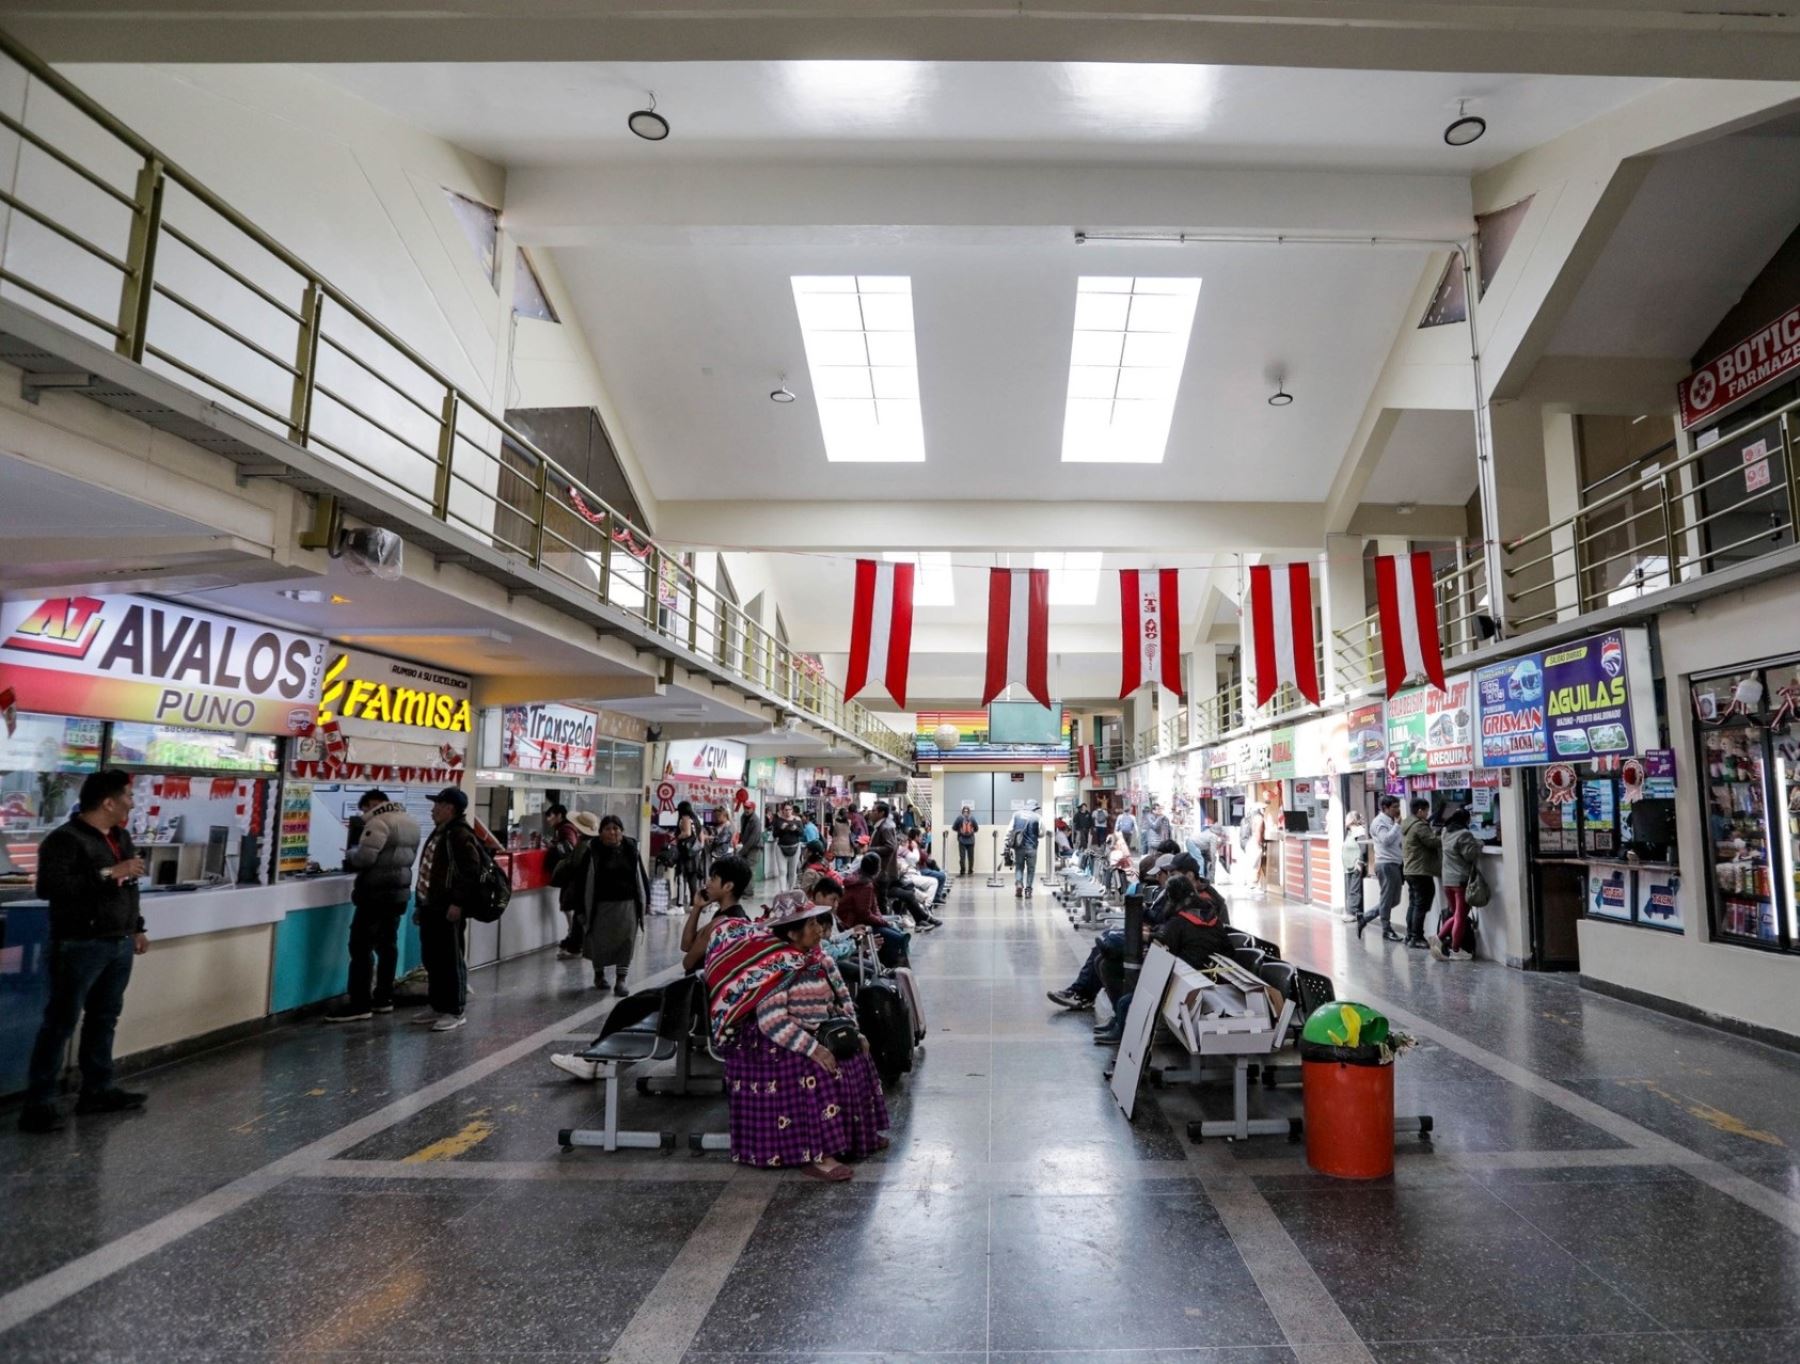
[1074,575]
[933,583]
[1125,363]
[864,365]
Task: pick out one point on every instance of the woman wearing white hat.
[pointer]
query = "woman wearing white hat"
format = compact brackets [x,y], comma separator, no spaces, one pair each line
[803,1090]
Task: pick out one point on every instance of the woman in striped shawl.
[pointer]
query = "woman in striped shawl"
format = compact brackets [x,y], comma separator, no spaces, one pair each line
[793,1103]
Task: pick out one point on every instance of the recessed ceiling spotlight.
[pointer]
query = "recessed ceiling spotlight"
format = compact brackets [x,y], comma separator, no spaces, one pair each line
[647,123]
[781,393]
[1280,397]
[1465,127]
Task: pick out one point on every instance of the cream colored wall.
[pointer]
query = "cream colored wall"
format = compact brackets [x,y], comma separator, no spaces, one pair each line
[187,987]
[1043,789]
[1738,982]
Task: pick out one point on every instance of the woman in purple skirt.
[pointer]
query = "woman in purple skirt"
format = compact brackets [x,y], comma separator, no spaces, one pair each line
[794,1103]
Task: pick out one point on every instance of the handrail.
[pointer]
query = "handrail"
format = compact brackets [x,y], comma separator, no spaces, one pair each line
[547,518]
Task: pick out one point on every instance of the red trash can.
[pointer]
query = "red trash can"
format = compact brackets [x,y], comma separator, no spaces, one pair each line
[1349,1118]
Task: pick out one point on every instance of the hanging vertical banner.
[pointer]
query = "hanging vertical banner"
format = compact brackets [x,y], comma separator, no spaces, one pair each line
[1281,617]
[1018,643]
[1408,619]
[1150,629]
[881,627]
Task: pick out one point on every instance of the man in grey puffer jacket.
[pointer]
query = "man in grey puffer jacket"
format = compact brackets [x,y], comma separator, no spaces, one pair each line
[383,861]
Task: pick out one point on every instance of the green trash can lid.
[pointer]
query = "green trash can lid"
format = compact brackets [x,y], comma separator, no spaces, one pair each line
[1345,1023]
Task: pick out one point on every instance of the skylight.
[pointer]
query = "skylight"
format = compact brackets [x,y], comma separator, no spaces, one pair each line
[1131,339]
[864,366]
[933,584]
[1074,575]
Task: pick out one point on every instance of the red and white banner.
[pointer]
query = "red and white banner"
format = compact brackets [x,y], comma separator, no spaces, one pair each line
[1150,628]
[1754,363]
[1087,763]
[1018,632]
[1281,620]
[1408,619]
[881,627]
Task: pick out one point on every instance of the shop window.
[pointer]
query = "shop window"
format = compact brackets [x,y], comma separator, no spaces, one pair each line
[1748,739]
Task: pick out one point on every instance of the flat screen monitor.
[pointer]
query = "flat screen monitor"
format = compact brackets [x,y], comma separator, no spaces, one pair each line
[218,840]
[1296,821]
[1653,824]
[1024,722]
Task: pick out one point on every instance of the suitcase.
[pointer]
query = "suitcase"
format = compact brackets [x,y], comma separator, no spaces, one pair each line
[908,985]
[881,1015]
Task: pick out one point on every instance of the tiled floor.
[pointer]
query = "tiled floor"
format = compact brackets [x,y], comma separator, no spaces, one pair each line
[1605,1186]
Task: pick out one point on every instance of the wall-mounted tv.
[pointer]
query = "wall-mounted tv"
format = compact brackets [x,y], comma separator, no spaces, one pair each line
[1024,722]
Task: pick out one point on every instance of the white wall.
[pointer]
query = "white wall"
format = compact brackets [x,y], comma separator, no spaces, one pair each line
[1742,983]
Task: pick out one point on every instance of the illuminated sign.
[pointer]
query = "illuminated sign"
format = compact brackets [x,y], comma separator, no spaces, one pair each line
[706,759]
[137,658]
[384,691]
[548,736]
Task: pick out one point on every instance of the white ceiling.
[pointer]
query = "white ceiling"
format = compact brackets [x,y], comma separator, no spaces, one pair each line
[693,330]
[37,503]
[1429,459]
[1698,231]
[572,112]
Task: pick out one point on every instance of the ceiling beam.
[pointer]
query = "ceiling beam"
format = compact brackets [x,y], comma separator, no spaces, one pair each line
[1121,527]
[1611,37]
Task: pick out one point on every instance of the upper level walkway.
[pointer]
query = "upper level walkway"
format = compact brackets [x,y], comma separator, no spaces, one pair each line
[1605,1184]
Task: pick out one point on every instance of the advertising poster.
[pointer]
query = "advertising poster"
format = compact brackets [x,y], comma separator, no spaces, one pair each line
[1658,896]
[1509,698]
[1449,726]
[1367,736]
[1588,701]
[548,736]
[1607,893]
[1406,733]
[1281,754]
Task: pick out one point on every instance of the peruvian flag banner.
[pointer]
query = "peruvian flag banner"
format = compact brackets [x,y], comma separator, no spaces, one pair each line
[1087,763]
[1281,619]
[1018,647]
[881,627]
[1408,618]
[1150,625]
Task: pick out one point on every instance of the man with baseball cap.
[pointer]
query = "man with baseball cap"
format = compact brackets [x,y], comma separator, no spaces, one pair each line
[449,873]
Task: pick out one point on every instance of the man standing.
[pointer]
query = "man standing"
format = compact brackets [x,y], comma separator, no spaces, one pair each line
[1156,827]
[88,871]
[1027,828]
[560,839]
[1384,833]
[966,829]
[1082,825]
[750,840]
[383,862]
[1127,827]
[1102,831]
[449,876]
[1423,862]
[790,838]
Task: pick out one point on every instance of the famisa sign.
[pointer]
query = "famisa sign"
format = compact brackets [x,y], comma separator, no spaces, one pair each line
[383,694]
[1755,362]
[137,658]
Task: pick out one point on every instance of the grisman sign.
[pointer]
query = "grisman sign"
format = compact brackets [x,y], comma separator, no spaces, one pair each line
[137,658]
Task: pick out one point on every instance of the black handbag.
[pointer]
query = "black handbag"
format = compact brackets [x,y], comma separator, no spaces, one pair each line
[840,1037]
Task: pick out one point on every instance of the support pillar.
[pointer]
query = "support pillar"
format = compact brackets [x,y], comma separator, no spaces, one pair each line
[1562,490]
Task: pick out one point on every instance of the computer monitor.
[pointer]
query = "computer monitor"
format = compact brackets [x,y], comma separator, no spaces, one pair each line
[218,842]
[1296,821]
[1653,826]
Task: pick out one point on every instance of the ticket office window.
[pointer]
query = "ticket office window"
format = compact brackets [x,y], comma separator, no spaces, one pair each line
[42,765]
[1482,803]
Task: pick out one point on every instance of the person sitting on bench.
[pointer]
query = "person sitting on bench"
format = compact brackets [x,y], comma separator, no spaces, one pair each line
[856,909]
[777,1003]
[1190,929]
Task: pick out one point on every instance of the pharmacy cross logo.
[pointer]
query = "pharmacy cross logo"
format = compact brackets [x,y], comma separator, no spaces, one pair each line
[63,626]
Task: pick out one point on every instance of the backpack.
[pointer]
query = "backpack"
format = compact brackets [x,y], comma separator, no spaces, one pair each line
[493,888]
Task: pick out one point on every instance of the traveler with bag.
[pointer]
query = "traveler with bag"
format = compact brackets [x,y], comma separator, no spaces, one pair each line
[966,828]
[1423,864]
[1463,882]
[1390,858]
[802,1088]
[611,893]
[383,862]
[449,888]
[1027,828]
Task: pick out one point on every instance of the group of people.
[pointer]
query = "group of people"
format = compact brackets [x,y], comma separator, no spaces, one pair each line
[1415,853]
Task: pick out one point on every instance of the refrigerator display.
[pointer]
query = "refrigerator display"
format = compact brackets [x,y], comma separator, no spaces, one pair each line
[1787,786]
[1739,831]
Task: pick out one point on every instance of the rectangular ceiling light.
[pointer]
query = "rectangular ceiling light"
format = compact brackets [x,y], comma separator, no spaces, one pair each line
[933,584]
[864,366]
[1131,340]
[1074,575]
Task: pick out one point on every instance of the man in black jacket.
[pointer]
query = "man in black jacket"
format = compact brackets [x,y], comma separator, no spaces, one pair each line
[88,871]
[449,876]
[383,862]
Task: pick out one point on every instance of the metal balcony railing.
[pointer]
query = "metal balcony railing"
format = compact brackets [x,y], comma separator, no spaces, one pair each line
[113,240]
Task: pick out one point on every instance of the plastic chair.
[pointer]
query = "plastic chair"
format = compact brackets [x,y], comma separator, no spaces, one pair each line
[654,1030]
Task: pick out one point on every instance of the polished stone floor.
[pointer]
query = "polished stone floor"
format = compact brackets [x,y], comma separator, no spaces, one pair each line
[1605,1185]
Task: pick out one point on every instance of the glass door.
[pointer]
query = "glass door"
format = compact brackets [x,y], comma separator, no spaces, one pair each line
[1739,835]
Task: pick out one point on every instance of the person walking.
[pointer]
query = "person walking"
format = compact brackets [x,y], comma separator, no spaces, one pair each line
[1027,829]
[1352,856]
[750,839]
[560,839]
[1081,826]
[449,880]
[790,841]
[383,861]
[88,870]
[689,850]
[966,828]
[1390,856]
[1100,836]
[840,849]
[1462,856]
[1256,847]
[1423,861]
[1126,827]
[1156,827]
[613,891]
